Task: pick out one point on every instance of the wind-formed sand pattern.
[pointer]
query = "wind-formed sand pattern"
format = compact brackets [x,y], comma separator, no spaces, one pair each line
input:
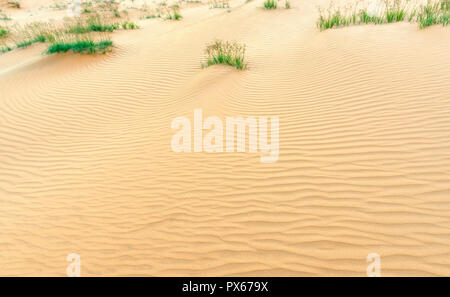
[364,165]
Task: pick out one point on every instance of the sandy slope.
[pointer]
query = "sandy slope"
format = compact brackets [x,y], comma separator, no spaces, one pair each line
[364,167]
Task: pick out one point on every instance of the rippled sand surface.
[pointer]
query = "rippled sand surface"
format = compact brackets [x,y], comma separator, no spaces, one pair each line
[86,164]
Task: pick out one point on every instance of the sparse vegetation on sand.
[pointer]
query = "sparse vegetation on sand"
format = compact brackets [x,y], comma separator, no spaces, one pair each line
[83,46]
[395,13]
[128,25]
[270,4]
[3,32]
[14,4]
[434,13]
[287,4]
[93,23]
[24,43]
[107,7]
[391,11]
[5,49]
[98,23]
[86,35]
[173,13]
[166,10]
[33,33]
[4,17]
[227,53]
[153,16]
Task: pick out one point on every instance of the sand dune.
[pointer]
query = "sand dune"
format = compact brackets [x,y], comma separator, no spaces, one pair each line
[364,165]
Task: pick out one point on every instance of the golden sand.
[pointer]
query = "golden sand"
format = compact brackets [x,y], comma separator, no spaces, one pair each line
[364,167]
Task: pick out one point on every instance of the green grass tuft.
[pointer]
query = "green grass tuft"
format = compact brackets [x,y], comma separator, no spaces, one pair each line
[366,19]
[395,15]
[129,26]
[24,43]
[332,20]
[92,25]
[86,46]
[219,4]
[173,13]
[14,4]
[227,53]
[5,49]
[270,4]
[434,12]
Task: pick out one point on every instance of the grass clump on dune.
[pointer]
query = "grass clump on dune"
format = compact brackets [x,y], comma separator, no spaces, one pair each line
[367,18]
[388,11]
[14,4]
[92,24]
[58,37]
[129,25]
[332,19]
[84,34]
[167,12]
[5,49]
[270,4]
[83,46]
[434,13]
[34,33]
[4,17]
[24,36]
[96,23]
[395,14]
[173,13]
[3,32]
[24,43]
[227,53]
[219,4]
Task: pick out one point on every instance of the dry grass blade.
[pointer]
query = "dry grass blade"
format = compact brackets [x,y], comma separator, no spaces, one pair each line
[227,53]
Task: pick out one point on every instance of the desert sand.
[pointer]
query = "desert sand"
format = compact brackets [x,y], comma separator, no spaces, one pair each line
[364,167]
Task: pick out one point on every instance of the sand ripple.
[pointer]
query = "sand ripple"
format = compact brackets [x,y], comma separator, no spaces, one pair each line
[364,167]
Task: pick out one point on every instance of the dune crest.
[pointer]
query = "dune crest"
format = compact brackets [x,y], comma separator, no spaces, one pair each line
[364,163]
